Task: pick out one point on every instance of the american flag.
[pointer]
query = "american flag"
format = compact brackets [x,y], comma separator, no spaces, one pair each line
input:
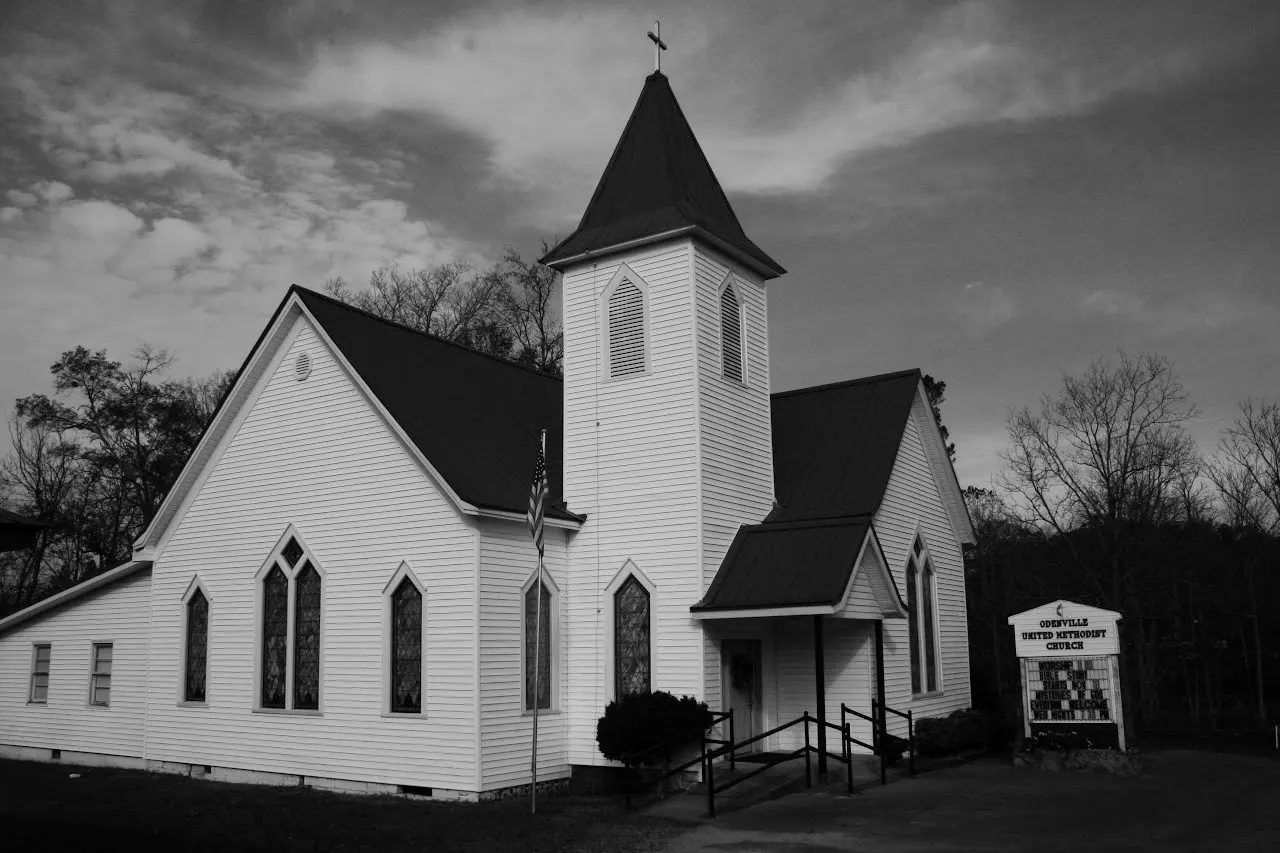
[538,496]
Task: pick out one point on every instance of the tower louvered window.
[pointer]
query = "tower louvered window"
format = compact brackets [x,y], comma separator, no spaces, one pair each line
[731,334]
[626,330]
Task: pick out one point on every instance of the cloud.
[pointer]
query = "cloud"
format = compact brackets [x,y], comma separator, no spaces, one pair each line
[1197,312]
[549,129]
[982,308]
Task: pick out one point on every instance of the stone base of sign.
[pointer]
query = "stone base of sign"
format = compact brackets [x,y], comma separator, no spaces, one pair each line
[1109,761]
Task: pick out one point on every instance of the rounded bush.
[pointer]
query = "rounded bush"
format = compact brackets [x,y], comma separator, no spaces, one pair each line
[648,728]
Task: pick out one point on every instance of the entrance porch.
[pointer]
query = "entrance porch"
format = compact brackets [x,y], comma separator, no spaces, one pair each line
[793,622]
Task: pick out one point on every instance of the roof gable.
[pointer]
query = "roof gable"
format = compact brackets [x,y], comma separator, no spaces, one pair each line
[473,420]
[834,445]
[475,417]
[658,181]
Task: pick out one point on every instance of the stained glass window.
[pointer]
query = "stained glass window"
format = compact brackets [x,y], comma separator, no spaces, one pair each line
[542,654]
[292,552]
[306,640]
[913,625]
[631,661]
[275,629]
[406,648]
[197,647]
[930,640]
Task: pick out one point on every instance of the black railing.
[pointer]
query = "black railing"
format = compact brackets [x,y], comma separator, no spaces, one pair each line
[714,748]
[716,719]
[845,713]
[911,734]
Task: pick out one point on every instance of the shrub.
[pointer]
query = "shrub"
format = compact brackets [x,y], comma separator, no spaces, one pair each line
[648,728]
[957,732]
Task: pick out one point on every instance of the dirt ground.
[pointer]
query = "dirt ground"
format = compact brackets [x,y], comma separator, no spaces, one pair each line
[1183,801]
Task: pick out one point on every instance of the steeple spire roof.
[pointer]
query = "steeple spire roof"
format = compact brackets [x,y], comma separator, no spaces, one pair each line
[659,184]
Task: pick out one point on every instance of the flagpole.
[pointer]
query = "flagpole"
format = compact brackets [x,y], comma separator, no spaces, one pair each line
[537,667]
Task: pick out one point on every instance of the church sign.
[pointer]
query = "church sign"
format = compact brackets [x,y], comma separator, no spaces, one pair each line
[1068,656]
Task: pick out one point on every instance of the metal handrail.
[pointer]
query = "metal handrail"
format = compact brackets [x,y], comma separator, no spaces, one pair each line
[909,716]
[716,719]
[806,751]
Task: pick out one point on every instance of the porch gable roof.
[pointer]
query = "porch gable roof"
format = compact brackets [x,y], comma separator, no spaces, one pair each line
[801,564]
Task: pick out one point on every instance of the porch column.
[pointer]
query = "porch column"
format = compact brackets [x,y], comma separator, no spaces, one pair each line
[880,712]
[820,674]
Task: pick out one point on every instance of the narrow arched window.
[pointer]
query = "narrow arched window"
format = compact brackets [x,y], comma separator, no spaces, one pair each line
[406,649]
[537,659]
[922,620]
[913,625]
[626,330]
[930,639]
[731,343]
[197,647]
[631,647]
[306,640]
[275,637]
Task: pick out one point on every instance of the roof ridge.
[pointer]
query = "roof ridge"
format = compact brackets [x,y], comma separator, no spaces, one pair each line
[824,521]
[392,323]
[880,377]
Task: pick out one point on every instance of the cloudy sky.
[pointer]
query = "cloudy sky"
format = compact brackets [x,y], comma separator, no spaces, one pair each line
[995,192]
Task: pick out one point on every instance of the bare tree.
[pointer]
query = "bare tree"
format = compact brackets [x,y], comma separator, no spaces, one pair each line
[507,310]
[1099,467]
[1250,463]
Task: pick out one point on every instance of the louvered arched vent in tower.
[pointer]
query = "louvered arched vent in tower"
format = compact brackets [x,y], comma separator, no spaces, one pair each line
[302,366]
[731,334]
[626,330]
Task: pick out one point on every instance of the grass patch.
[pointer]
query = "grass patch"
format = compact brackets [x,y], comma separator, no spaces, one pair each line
[42,808]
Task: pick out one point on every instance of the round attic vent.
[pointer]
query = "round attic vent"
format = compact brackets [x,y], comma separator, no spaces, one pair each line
[302,367]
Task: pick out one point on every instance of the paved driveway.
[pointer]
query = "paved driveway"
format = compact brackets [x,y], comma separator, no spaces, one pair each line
[1183,801]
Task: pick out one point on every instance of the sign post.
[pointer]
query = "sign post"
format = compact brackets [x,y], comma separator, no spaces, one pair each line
[1068,657]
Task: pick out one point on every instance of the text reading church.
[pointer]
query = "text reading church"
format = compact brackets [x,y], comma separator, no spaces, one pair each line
[341,584]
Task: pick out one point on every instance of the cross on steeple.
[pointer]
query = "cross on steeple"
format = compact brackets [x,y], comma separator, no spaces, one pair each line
[659,45]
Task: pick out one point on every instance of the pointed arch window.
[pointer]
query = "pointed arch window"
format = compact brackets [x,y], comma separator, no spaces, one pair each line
[922,619]
[626,323]
[275,637]
[306,640]
[291,612]
[197,647]
[732,344]
[632,661]
[406,649]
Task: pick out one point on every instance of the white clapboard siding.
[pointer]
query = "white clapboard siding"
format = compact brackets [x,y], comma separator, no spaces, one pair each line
[913,501]
[735,451]
[115,614]
[314,454]
[508,561]
[631,451]
[848,649]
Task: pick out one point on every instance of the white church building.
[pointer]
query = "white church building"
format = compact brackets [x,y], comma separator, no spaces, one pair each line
[339,589]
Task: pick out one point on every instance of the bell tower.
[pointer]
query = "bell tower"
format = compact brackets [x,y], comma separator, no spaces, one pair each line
[667,443]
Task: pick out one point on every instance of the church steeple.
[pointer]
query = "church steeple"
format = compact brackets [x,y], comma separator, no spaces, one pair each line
[659,185]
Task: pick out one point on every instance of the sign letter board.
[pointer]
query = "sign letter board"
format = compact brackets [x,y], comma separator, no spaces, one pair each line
[1068,656]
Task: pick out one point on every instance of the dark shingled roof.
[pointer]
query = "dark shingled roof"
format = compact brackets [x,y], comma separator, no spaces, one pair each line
[476,418]
[657,181]
[18,531]
[795,564]
[833,451]
[834,445]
